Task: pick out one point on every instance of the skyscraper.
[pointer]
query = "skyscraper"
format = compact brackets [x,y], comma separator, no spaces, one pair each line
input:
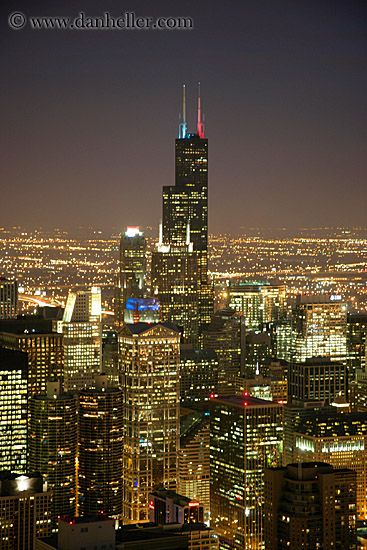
[225,336]
[312,384]
[185,213]
[13,409]
[310,505]
[82,331]
[257,302]
[25,513]
[340,438]
[194,463]
[246,437]
[100,449]
[176,284]
[43,346]
[52,445]
[8,298]
[319,326]
[150,356]
[132,268]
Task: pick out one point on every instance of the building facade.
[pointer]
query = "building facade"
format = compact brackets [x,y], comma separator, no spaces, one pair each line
[150,356]
[310,505]
[13,409]
[25,513]
[8,298]
[100,450]
[246,437]
[52,445]
[81,328]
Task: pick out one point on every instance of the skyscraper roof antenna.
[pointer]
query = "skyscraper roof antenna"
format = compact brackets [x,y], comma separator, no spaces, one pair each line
[182,129]
[200,127]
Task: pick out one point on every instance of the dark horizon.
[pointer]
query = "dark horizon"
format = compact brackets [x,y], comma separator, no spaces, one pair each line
[90,117]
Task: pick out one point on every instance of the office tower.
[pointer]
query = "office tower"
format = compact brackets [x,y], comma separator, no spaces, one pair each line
[199,377]
[356,343]
[319,325]
[176,284]
[194,463]
[225,336]
[132,268]
[110,363]
[316,380]
[310,505]
[167,506]
[142,310]
[257,302]
[150,361]
[185,225]
[340,438]
[312,384]
[24,511]
[82,331]
[8,298]
[52,445]
[245,438]
[13,409]
[100,450]
[43,346]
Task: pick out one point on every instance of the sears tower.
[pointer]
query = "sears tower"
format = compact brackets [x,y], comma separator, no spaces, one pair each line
[180,267]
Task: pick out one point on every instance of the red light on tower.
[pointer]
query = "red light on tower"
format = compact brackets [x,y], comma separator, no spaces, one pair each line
[211,396]
[245,393]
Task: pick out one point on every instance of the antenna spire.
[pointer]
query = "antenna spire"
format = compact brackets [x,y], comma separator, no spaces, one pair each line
[182,129]
[200,126]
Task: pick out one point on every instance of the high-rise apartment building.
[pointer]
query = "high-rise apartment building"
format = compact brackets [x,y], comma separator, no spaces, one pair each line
[8,298]
[43,346]
[310,505]
[150,360]
[246,437]
[25,511]
[257,302]
[13,409]
[81,328]
[52,445]
[100,450]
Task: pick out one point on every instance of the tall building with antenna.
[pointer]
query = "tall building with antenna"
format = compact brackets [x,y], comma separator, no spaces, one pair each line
[185,218]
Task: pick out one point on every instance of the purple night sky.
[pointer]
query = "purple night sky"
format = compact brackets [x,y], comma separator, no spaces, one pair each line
[89,118]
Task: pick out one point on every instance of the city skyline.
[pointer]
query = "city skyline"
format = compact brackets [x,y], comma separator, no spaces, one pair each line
[283,93]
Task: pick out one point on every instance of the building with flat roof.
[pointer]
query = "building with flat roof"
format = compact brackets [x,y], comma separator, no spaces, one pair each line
[246,437]
[25,510]
[13,409]
[150,375]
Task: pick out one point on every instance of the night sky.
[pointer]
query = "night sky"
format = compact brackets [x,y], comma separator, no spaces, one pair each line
[89,118]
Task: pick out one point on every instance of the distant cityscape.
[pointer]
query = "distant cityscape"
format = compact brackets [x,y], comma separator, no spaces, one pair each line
[174,390]
[48,264]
